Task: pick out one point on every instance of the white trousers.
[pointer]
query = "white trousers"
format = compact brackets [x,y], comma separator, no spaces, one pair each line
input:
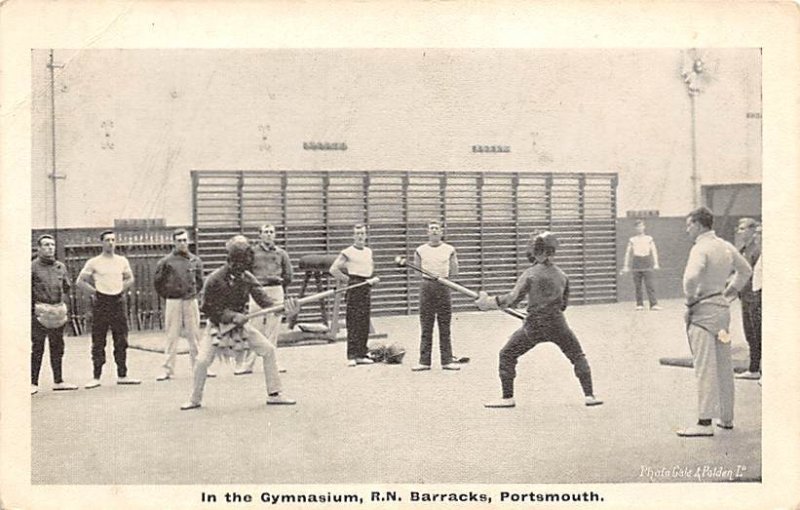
[714,371]
[258,344]
[268,325]
[181,316]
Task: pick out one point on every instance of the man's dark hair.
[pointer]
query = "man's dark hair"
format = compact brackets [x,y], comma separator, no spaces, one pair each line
[702,215]
[178,232]
[43,237]
[104,233]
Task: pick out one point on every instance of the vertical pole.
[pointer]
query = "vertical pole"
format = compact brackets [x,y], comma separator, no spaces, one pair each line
[695,178]
[53,175]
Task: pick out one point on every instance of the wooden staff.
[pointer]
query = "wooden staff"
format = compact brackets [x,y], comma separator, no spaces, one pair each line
[225,328]
[403,262]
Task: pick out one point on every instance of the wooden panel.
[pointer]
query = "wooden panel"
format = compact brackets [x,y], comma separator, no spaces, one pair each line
[488,217]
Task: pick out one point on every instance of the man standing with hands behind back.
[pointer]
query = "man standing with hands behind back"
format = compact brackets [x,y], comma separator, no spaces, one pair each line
[440,259]
[108,276]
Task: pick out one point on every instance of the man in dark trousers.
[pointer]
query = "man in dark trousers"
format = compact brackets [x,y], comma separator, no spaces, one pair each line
[547,289]
[50,285]
[749,246]
[108,276]
[437,258]
[354,265]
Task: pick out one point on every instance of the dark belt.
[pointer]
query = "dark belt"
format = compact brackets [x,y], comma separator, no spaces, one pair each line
[108,297]
[703,298]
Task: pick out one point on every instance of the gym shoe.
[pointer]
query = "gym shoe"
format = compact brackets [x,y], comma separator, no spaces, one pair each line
[639,308]
[364,361]
[190,405]
[696,431]
[128,380]
[351,363]
[281,370]
[656,308]
[164,377]
[503,402]
[593,401]
[752,376]
[94,383]
[420,368]
[34,389]
[727,425]
[451,366]
[240,372]
[64,386]
[210,375]
[279,400]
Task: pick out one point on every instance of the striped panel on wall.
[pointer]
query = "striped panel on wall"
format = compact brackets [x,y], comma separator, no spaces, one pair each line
[488,217]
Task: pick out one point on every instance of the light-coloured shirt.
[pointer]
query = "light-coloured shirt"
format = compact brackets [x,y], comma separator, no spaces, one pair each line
[436,259]
[711,262]
[642,245]
[757,277]
[641,253]
[107,272]
[359,261]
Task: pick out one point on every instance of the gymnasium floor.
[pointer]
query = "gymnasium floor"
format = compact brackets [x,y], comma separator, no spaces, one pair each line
[386,424]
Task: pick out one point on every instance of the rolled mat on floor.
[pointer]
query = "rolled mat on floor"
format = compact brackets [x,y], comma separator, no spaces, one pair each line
[740,355]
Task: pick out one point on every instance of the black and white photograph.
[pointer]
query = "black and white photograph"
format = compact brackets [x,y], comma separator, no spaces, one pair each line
[338,272]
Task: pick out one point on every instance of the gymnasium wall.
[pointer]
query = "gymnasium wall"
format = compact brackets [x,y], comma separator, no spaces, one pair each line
[132,124]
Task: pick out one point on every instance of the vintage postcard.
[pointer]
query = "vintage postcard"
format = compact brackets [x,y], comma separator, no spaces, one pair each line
[399,254]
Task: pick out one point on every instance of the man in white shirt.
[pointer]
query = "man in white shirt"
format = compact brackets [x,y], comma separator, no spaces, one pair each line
[641,258]
[708,292]
[440,259]
[354,265]
[108,276]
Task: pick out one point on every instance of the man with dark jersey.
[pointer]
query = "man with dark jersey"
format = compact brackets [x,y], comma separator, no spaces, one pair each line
[547,289]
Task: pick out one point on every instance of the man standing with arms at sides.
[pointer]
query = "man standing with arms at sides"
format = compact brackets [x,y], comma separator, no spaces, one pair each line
[272,267]
[179,280]
[49,287]
[354,265]
[641,257]
[440,259]
[711,262]
[750,248]
[108,276]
